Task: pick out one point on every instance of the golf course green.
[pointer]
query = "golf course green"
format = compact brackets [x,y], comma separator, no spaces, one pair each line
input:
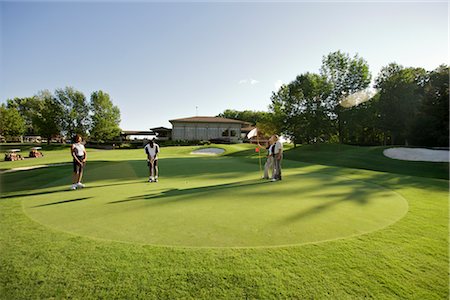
[217,216]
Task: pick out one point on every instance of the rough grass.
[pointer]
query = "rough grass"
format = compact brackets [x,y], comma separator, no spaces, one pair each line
[407,260]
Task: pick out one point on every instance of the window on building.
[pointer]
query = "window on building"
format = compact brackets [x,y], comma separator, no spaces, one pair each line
[225,132]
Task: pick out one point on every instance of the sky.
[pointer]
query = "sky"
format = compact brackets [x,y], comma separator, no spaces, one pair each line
[161,61]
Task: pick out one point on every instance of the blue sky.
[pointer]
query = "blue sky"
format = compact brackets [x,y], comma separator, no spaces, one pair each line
[159,61]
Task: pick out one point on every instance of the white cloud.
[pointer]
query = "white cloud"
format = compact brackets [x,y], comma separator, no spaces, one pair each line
[250,81]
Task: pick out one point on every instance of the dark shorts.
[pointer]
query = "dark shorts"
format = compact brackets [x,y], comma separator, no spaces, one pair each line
[77,167]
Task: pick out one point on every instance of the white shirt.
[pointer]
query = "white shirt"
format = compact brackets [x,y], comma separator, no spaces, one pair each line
[278,147]
[152,151]
[79,149]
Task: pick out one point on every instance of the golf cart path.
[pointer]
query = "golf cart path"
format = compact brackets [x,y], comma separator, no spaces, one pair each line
[417,154]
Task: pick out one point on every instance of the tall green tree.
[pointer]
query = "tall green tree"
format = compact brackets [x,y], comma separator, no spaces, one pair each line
[76,118]
[26,107]
[400,94]
[301,108]
[431,125]
[360,124]
[11,122]
[285,107]
[346,75]
[48,115]
[105,118]
[315,124]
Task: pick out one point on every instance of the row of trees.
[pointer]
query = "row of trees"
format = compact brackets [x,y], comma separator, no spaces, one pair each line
[411,105]
[65,112]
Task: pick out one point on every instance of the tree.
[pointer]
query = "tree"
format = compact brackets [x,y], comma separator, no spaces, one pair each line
[27,108]
[105,118]
[76,118]
[283,106]
[249,116]
[11,122]
[48,116]
[431,125]
[300,109]
[316,124]
[346,75]
[401,91]
[360,124]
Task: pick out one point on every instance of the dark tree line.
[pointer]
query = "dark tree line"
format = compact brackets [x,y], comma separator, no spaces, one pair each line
[65,112]
[410,107]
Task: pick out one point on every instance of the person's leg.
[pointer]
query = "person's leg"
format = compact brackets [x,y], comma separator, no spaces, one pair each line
[150,171]
[270,168]
[80,175]
[155,169]
[266,168]
[276,169]
[74,176]
[279,169]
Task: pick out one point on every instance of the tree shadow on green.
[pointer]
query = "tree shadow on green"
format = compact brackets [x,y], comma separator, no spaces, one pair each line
[190,191]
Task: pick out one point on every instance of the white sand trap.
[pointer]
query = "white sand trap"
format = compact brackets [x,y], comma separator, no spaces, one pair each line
[417,154]
[209,151]
[32,168]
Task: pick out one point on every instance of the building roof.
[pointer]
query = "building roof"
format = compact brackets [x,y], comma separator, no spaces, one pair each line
[137,132]
[156,129]
[207,120]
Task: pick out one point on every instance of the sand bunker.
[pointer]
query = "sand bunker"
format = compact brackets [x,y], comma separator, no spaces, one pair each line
[209,151]
[417,154]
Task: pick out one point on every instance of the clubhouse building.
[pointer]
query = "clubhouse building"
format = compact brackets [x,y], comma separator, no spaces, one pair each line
[209,129]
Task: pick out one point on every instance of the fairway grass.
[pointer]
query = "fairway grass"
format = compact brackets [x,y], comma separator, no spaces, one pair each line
[209,227]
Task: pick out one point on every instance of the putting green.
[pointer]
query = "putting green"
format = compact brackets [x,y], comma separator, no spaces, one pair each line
[214,202]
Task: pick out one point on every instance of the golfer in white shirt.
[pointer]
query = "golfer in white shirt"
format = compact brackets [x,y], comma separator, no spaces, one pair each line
[152,150]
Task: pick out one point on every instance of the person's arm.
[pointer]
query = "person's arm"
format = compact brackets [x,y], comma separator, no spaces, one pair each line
[146,152]
[156,152]
[73,154]
[85,155]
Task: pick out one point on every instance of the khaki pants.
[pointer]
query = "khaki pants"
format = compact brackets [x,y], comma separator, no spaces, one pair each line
[277,168]
[268,167]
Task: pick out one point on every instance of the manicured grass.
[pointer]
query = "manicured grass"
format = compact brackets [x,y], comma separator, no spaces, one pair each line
[207,202]
[407,259]
[369,158]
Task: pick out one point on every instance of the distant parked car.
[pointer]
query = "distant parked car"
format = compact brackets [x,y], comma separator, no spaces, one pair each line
[12,155]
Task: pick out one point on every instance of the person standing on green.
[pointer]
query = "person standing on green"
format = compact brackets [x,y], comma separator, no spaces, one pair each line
[152,150]
[79,161]
[277,157]
[268,166]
